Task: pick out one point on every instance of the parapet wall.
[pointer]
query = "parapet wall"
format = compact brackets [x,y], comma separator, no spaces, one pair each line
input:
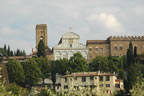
[126,38]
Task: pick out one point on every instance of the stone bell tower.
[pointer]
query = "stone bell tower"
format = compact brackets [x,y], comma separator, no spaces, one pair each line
[41,32]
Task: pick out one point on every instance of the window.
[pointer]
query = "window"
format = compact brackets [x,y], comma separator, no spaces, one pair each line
[117,85]
[90,49]
[107,78]
[65,79]
[75,78]
[65,86]
[121,48]
[96,49]
[101,85]
[101,49]
[90,56]
[91,77]
[70,45]
[107,85]
[92,86]
[83,79]
[101,78]
[115,47]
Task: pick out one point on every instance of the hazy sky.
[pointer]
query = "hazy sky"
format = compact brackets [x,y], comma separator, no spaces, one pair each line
[91,19]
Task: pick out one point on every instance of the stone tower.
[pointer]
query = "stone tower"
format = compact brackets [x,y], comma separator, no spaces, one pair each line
[41,32]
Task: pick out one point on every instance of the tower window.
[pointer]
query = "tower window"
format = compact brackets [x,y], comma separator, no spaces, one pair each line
[71,45]
[101,49]
[41,37]
[115,47]
[90,49]
[96,49]
[121,48]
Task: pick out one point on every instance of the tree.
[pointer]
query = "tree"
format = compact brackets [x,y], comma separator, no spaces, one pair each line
[32,72]
[138,88]
[78,63]
[12,53]
[135,51]
[62,66]
[17,90]
[15,72]
[133,73]
[4,92]
[130,56]
[41,49]
[8,51]
[53,72]
[44,65]
[3,52]
[5,48]
[99,64]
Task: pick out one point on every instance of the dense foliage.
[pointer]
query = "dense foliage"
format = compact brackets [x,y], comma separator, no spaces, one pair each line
[8,52]
[13,90]
[32,72]
[77,63]
[44,65]
[41,49]
[108,64]
[15,72]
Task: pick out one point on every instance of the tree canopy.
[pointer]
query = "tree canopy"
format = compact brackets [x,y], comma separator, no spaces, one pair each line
[32,72]
[77,63]
[41,49]
[15,72]
[44,65]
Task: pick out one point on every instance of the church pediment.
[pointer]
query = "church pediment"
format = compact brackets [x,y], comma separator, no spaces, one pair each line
[70,35]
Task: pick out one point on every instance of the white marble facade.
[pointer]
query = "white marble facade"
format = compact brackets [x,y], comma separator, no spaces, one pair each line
[68,45]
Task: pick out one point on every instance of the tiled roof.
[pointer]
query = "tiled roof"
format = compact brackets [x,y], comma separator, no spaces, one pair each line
[97,41]
[79,74]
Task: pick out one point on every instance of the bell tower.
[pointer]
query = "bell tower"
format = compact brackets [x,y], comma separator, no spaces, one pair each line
[41,32]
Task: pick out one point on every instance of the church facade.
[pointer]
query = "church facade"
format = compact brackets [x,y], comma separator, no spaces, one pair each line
[68,45]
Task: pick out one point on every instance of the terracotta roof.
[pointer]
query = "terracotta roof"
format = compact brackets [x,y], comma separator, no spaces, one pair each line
[118,80]
[97,42]
[80,74]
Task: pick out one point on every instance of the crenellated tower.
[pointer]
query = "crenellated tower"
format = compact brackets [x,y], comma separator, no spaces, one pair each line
[41,32]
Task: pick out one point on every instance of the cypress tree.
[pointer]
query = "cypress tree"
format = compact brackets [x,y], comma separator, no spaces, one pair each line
[5,48]
[41,49]
[130,56]
[135,51]
[8,51]
[12,53]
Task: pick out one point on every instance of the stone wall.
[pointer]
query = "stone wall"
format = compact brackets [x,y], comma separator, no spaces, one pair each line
[41,32]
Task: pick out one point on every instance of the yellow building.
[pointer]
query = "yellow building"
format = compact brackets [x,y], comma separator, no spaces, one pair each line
[97,80]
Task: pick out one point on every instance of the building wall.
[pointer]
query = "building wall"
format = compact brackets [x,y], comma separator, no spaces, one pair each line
[117,46]
[71,82]
[98,50]
[41,31]
[125,44]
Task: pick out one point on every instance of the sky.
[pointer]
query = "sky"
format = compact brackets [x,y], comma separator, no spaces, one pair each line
[91,19]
